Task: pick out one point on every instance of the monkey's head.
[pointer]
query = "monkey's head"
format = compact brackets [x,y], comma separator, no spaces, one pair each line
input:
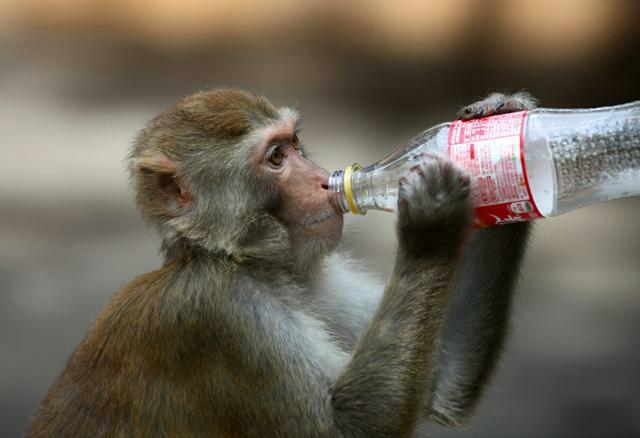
[225,171]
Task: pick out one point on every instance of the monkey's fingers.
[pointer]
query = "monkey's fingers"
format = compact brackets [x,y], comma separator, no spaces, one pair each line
[498,103]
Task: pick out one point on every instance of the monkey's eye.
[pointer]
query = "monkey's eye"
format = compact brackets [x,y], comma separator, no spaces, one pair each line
[276,156]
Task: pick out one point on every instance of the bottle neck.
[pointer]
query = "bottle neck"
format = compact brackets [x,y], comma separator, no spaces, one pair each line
[341,188]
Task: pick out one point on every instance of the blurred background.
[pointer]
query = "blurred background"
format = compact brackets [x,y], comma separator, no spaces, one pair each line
[78,78]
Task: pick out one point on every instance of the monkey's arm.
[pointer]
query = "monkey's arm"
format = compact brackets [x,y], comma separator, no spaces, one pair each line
[476,322]
[381,391]
[477,318]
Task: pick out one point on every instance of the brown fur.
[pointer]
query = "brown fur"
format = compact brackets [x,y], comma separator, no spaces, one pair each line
[226,114]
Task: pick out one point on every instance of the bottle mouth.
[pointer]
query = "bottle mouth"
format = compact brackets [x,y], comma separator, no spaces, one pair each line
[336,188]
[341,189]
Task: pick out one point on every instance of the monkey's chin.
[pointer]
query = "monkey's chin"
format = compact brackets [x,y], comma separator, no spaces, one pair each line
[324,226]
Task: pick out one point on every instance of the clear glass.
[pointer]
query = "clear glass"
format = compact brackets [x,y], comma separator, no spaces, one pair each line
[573,158]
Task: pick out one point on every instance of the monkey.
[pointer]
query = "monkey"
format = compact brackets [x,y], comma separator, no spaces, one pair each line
[256,324]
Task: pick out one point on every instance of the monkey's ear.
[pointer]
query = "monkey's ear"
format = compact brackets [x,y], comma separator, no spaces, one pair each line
[166,185]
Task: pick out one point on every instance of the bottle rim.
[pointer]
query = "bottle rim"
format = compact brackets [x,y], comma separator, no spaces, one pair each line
[348,191]
[341,188]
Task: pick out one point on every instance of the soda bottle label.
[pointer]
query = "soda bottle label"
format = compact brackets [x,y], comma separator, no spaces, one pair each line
[491,150]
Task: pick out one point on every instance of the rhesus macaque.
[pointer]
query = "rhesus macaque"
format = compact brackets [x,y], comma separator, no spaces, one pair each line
[255,326]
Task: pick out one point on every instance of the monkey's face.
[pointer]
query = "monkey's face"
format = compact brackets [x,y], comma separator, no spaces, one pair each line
[224,170]
[304,205]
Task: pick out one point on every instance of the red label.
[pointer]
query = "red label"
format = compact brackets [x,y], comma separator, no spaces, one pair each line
[490,150]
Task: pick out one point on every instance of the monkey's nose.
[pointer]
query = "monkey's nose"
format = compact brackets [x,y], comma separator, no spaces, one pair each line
[323,179]
[319,177]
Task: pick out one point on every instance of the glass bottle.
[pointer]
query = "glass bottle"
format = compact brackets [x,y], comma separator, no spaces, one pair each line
[523,165]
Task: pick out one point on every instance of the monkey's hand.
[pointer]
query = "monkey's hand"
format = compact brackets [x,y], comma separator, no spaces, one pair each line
[434,209]
[498,103]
